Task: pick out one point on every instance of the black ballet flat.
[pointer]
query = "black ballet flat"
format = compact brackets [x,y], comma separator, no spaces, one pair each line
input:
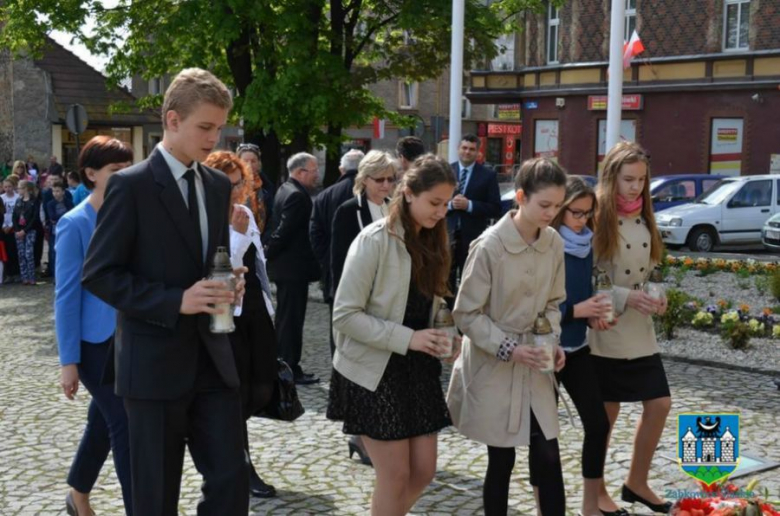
[619,512]
[354,447]
[259,489]
[631,497]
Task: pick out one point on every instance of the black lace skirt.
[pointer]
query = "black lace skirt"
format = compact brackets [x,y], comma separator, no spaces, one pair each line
[408,402]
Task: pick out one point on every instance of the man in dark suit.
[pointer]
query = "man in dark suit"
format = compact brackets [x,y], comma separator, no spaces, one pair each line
[476,201]
[325,206]
[55,169]
[155,239]
[291,262]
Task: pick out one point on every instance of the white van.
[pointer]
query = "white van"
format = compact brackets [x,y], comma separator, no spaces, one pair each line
[733,211]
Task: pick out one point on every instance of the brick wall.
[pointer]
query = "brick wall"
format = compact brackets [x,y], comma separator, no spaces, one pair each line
[679,28]
[765,25]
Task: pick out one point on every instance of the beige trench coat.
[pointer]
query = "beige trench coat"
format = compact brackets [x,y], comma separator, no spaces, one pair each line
[506,284]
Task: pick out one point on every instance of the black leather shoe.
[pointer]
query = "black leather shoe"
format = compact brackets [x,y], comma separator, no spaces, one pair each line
[629,496]
[259,489]
[619,512]
[356,446]
[302,378]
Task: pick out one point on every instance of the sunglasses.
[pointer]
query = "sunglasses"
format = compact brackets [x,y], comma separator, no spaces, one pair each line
[579,214]
[388,180]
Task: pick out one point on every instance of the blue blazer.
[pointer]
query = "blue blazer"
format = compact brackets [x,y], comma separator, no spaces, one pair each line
[482,191]
[78,315]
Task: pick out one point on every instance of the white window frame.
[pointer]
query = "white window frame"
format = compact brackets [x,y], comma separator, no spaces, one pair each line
[630,13]
[156,86]
[552,22]
[738,3]
[414,94]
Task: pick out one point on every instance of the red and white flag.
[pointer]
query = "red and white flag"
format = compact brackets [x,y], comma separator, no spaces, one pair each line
[633,48]
[379,128]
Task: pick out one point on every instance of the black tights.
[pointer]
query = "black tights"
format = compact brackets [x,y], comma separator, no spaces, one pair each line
[544,458]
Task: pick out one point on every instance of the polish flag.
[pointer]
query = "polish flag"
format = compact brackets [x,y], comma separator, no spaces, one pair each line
[633,48]
[379,128]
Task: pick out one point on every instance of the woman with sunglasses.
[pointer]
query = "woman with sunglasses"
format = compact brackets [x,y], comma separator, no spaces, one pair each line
[374,184]
[582,309]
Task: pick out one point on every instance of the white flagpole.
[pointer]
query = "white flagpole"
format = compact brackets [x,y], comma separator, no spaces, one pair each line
[615,97]
[456,78]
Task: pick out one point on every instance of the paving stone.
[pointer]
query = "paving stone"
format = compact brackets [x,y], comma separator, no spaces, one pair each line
[307,460]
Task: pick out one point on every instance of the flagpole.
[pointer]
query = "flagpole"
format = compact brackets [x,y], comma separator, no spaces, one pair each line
[456,78]
[615,91]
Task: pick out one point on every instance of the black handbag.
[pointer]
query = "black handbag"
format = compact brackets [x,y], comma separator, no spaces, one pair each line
[285,404]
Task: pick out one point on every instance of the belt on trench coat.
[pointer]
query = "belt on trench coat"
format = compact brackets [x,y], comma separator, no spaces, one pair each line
[520,378]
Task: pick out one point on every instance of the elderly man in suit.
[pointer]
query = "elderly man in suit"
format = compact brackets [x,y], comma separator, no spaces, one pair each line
[291,261]
[476,201]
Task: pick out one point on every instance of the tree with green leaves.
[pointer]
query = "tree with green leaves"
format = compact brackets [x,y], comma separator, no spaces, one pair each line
[301,68]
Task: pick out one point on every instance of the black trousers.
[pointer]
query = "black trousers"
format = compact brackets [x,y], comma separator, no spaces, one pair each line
[544,458]
[581,382]
[460,251]
[291,299]
[12,265]
[208,420]
[330,327]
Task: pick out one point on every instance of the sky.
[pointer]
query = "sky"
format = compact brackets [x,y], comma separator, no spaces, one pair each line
[96,62]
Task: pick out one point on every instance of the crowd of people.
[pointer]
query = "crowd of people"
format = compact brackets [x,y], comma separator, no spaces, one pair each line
[397,241]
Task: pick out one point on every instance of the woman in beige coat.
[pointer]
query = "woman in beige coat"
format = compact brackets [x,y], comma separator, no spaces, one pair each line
[497,395]
[627,245]
[395,273]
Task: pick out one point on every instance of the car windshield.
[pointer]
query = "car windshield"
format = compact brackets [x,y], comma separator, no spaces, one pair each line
[655,182]
[719,192]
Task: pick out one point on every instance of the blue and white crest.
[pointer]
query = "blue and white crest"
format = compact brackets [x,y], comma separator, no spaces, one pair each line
[708,445]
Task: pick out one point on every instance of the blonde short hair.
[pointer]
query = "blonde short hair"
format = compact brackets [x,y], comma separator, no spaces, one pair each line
[191,87]
[373,164]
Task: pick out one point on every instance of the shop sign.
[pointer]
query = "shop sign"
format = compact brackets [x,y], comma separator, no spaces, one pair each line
[509,111]
[531,105]
[630,102]
[503,129]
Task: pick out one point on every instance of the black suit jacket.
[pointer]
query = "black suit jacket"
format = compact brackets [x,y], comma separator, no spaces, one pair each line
[144,254]
[482,191]
[349,221]
[288,250]
[325,206]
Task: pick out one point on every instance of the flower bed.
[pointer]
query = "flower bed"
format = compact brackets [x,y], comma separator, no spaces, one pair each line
[726,500]
[711,265]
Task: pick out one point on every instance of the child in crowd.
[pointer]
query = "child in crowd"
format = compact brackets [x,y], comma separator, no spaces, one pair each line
[25,212]
[58,206]
[497,394]
[9,197]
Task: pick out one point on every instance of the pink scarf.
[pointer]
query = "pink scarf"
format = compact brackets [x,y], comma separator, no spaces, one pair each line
[626,208]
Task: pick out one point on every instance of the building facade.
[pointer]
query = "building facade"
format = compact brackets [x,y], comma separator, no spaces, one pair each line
[35,102]
[704,96]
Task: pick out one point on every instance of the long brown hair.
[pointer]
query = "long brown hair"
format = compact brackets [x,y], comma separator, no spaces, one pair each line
[228,163]
[606,239]
[576,188]
[429,249]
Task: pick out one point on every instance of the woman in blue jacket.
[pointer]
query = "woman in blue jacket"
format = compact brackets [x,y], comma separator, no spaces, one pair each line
[85,330]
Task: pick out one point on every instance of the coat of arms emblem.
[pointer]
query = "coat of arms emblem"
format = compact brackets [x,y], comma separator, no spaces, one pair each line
[708,445]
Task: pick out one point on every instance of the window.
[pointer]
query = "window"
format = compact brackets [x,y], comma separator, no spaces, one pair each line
[736,24]
[706,184]
[156,86]
[408,92]
[753,194]
[465,109]
[676,191]
[553,23]
[630,25]
[505,60]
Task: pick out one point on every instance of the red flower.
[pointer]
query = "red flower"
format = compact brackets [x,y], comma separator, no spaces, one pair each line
[695,506]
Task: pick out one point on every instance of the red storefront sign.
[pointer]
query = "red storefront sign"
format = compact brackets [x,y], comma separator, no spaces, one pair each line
[505,129]
[630,102]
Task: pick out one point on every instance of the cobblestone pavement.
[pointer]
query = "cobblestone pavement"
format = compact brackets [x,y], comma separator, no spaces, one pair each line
[307,460]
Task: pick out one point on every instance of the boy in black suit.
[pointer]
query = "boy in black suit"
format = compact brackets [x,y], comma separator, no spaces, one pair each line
[156,236]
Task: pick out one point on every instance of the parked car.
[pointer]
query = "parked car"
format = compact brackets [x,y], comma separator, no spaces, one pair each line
[733,211]
[508,192]
[770,233]
[669,191]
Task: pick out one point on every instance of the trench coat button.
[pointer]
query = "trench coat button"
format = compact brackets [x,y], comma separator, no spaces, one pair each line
[628,246]
[642,269]
[644,245]
[628,271]
[620,222]
[638,221]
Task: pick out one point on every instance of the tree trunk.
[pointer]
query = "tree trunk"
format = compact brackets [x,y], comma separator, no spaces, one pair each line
[333,157]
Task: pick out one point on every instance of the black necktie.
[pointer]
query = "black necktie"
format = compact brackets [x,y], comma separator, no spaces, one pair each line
[462,180]
[192,202]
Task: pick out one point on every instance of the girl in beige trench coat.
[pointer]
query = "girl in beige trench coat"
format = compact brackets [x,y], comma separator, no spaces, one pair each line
[497,395]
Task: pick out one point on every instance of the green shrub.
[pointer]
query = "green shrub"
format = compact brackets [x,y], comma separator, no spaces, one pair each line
[735,333]
[762,284]
[676,312]
[774,284]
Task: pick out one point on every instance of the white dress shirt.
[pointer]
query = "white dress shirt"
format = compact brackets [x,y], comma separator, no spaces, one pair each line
[178,169]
